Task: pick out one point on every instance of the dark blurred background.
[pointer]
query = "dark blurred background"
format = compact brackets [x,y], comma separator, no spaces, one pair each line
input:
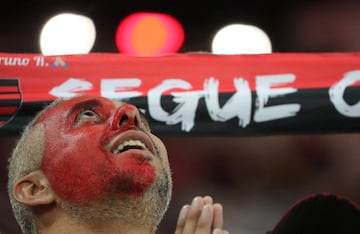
[256,178]
[327,25]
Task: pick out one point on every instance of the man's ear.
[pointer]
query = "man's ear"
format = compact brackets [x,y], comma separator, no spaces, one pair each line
[33,189]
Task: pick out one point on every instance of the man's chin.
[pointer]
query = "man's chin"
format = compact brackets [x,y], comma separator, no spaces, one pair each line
[131,183]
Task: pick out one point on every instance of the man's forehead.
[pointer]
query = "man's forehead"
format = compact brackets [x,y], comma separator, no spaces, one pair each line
[80,100]
[96,99]
[67,105]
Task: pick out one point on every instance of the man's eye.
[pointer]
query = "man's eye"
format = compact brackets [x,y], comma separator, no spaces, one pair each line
[88,115]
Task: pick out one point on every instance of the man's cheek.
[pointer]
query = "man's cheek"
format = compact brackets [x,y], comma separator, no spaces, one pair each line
[76,179]
[94,182]
[74,168]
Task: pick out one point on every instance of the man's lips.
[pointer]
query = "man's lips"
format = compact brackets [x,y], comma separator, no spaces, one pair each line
[128,140]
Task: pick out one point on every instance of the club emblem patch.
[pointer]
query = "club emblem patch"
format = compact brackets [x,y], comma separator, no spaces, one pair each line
[10,99]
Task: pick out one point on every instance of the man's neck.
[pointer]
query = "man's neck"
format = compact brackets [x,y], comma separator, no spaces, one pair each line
[108,227]
[67,224]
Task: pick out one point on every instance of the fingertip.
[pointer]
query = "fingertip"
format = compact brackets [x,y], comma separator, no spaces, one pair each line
[206,213]
[204,222]
[218,221]
[217,231]
[182,216]
[208,199]
[184,209]
[197,202]
[218,207]
[196,199]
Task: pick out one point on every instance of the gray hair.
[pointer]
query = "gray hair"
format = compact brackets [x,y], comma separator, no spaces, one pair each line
[26,157]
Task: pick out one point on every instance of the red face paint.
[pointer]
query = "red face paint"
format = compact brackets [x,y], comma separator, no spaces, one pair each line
[79,167]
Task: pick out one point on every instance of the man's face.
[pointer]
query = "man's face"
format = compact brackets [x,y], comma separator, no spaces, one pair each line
[95,147]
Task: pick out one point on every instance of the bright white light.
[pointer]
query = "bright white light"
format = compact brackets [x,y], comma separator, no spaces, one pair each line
[67,34]
[241,39]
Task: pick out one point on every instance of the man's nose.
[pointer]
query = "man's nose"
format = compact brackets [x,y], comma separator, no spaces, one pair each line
[126,115]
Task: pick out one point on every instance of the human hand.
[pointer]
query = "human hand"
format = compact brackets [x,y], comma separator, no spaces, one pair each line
[201,217]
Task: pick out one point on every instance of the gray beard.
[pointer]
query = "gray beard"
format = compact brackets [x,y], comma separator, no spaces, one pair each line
[148,209]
